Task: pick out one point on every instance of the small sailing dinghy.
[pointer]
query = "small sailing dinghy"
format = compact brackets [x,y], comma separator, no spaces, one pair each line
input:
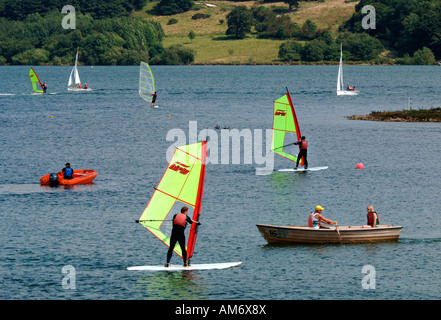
[147,86]
[37,87]
[182,183]
[74,83]
[341,90]
[286,130]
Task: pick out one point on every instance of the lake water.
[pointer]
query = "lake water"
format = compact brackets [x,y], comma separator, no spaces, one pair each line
[92,228]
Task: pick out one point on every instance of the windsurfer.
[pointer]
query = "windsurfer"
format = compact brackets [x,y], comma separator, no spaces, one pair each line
[316,217]
[303,144]
[44,87]
[153,99]
[67,171]
[180,221]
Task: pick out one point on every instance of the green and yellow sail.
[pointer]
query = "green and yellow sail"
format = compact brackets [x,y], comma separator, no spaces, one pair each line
[35,80]
[183,182]
[285,127]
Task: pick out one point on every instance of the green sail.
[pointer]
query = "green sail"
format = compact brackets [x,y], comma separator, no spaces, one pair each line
[34,81]
[285,125]
[181,182]
[147,84]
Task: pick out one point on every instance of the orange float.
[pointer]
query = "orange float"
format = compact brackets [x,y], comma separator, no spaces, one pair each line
[82,176]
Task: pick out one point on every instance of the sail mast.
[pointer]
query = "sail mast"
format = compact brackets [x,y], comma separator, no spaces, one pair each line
[197,210]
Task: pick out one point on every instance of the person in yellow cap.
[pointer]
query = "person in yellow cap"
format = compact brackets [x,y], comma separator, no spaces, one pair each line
[316,217]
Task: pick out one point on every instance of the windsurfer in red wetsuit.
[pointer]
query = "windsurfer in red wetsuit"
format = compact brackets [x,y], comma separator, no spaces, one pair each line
[153,99]
[180,221]
[303,144]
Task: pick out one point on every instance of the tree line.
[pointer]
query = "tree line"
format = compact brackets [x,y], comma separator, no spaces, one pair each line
[111,41]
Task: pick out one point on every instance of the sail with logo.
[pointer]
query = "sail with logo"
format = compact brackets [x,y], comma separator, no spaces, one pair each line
[181,185]
[286,131]
[182,182]
[286,128]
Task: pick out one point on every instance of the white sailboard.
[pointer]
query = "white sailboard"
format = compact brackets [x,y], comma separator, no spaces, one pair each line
[207,266]
[302,169]
[286,129]
[182,183]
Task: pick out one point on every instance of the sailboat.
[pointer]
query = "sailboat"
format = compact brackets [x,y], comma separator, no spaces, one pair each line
[74,83]
[286,129]
[182,183]
[37,87]
[341,90]
[147,86]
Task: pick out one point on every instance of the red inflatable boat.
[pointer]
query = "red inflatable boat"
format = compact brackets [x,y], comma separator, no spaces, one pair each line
[83,176]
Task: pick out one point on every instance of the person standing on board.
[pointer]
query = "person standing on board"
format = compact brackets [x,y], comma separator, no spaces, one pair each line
[44,87]
[316,217]
[303,144]
[153,99]
[180,221]
[67,171]
[372,217]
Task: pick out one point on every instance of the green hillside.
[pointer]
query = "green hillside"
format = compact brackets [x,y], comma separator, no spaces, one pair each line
[212,46]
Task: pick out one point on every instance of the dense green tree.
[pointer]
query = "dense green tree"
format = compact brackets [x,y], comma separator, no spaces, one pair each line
[406,25]
[169,7]
[290,51]
[239,21]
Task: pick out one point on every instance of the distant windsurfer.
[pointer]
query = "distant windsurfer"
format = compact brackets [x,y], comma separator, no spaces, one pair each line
[44,87]
[153,99]
[67,171]
[180,221]
[303,144]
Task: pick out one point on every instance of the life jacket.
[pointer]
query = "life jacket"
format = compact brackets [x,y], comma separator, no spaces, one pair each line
[180,220]
[304,144]
[370,219]
[313,222]
[68,173]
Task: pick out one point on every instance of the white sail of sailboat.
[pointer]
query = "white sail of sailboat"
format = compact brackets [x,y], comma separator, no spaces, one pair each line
[341,90]
[74,83]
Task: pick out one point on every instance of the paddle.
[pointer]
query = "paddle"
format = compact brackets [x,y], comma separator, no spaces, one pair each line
[338,231]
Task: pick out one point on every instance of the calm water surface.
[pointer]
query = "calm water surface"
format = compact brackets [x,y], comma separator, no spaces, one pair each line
[111,130]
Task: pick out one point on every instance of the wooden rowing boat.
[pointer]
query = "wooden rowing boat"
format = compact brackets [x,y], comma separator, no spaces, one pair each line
[344,234]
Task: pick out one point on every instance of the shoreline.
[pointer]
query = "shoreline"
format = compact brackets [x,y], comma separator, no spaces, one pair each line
[420,115]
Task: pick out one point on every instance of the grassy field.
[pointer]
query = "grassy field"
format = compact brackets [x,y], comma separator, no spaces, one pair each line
[212,46]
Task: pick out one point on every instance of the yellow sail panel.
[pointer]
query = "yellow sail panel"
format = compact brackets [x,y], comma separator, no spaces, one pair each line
[180,182]
[284,125]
